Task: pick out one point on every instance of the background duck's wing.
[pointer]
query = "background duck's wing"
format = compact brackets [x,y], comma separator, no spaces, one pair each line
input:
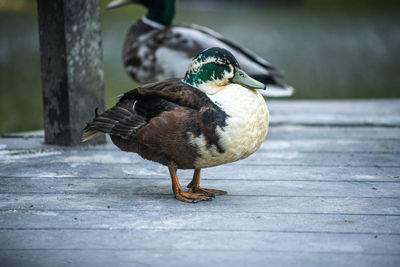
[251,56]
[183,42]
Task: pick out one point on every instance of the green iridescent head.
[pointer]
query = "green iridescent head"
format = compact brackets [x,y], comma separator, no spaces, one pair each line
[216,67]
[160,11]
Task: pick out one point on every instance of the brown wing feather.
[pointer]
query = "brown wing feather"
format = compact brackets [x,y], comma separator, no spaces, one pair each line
[172,90]
[124,120]
[165,138]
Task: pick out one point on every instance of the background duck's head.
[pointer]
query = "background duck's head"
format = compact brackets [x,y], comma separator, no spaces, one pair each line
[215,68]
[160,11]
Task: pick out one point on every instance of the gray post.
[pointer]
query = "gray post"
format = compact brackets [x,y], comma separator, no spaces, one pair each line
[72,67]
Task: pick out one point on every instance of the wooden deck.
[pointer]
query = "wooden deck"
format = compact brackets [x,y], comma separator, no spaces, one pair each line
[324,190]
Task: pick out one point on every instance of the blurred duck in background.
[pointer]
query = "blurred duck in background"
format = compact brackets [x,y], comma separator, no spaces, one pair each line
[155,49]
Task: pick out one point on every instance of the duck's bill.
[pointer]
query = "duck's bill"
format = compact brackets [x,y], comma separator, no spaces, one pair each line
[243,79]
[118,3]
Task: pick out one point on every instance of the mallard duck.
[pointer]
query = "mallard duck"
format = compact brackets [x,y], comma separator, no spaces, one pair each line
[213,116]
[152,43]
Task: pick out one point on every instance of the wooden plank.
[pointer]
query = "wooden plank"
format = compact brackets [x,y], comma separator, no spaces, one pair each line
[329,145]
[72,68]
[276,134]
[177,220]
[166,202]
[331,112]
[294,132]
[322,159]
[154,240]
[24,135]
[233,186]
[188,257]
[303,145]
[375,137]
[266,158]
[34,170]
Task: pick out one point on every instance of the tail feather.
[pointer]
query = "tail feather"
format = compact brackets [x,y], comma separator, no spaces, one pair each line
[121,120]
[90,134]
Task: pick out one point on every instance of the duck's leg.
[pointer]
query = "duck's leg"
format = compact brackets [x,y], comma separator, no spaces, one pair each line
[179,194]
[194,186]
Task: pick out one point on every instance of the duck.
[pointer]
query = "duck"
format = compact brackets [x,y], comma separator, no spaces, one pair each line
[152,43]
[213,116]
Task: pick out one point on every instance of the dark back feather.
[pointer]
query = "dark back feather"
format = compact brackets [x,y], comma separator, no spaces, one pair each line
[138,106]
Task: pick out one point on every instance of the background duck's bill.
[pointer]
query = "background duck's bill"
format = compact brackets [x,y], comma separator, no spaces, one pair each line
[118,3]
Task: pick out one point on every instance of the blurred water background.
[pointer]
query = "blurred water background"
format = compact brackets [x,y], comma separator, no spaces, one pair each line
[328,49]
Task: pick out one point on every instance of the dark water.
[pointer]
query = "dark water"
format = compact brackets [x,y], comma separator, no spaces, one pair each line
[324,52]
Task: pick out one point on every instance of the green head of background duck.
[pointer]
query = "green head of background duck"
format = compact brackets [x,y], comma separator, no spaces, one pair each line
[160,11]
[155,49]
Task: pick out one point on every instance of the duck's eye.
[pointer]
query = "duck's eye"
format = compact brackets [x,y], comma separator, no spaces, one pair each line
[241,74]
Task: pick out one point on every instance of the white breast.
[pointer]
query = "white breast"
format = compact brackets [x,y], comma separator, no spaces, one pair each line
[246,129]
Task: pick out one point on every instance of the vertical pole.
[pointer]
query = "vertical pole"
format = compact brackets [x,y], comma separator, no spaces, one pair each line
[72,67]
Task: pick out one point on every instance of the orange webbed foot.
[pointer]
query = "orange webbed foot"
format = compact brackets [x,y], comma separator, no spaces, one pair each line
[191,197]
[206,191]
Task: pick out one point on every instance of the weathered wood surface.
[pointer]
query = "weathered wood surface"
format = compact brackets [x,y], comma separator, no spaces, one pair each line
[319,192]
[72,67]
